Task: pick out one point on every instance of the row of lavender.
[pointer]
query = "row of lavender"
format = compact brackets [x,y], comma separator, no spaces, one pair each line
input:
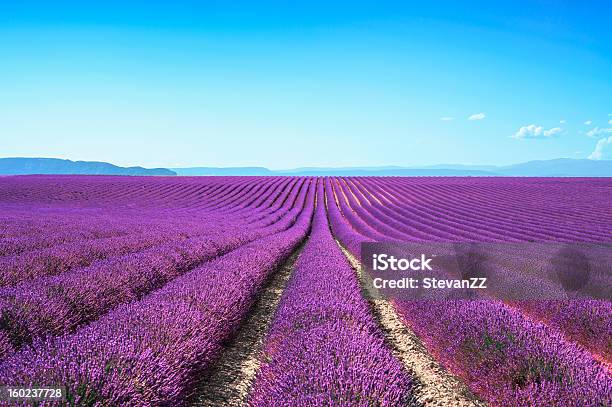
[156,322]
[126,195]
[503,356]
[150,351]
[324,346]
[37,226]
[75,250]
[586,322]
[55,305]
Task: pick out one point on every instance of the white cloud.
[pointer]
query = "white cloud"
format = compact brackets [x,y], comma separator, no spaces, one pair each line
[610,121]
[552,132]
[533,131]
[562,121]
[447,119]
[603,149]
[588,122]
[477,116]
[596,132]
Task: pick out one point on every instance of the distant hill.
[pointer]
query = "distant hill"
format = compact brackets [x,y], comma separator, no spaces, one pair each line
[386,171]
[562,167]
[24,166]
[327,171]
[225,171]
[488,168]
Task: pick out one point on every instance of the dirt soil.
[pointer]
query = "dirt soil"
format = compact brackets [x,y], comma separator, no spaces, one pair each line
[435,385]
[229,381]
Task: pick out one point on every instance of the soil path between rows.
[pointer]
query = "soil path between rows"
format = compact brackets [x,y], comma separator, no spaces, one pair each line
[229,381]
[435,386]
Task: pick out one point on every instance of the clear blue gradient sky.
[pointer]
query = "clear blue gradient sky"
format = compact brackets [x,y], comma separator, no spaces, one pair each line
[282,85]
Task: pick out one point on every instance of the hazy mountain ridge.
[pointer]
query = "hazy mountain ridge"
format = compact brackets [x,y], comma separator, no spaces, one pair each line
[562,167]
[27,166]
[373,171]
[223,171]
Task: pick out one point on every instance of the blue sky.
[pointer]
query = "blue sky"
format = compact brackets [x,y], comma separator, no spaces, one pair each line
[318,84]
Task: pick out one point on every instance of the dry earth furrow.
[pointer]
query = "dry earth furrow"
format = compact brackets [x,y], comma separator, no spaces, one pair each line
[228,382]
[435,386]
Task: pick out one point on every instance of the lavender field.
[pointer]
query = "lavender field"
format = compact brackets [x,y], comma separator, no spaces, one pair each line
[169,291]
